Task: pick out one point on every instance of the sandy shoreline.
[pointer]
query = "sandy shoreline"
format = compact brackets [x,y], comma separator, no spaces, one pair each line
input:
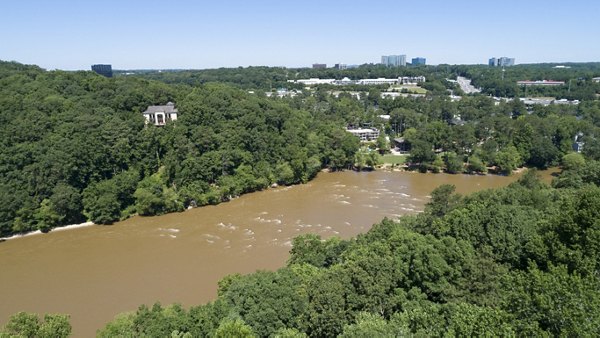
[38,232]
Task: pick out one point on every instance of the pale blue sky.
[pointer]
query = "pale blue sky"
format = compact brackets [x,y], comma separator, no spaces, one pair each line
[138,34]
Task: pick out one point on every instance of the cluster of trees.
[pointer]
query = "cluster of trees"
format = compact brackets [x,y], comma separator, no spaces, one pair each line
[517,261]
[577,172]
[28,325]
[264,78]
[76,146]
[63,131]
[475,133]
[270,78]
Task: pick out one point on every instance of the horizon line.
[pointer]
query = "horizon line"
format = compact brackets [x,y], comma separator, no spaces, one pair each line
[299,67]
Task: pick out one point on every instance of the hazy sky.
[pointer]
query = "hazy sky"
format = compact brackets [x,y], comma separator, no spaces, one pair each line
[224,33]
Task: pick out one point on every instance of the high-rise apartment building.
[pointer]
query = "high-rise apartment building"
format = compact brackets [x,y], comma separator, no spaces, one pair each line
[418,61]
[393,60]
[319,65]
[104,70]
[501,62]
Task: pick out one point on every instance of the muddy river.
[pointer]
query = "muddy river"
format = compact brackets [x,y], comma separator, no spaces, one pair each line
[93,273]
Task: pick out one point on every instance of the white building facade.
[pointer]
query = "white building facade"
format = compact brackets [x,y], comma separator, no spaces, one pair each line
[160,115]
[365,134]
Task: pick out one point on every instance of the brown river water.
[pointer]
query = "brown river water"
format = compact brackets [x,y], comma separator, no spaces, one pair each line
[96,272]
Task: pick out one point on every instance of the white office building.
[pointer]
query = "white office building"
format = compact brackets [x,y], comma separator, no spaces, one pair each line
[313,81]
[365,134]
[378,81]
[393,60]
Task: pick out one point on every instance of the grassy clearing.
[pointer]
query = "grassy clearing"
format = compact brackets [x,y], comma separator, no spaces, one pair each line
[411,89]
[393,159]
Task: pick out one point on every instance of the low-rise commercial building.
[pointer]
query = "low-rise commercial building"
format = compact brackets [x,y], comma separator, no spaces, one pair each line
[378,81]
[345,81]
[411,79]
[541,83]
[367,82]
[313,81]
[365,134]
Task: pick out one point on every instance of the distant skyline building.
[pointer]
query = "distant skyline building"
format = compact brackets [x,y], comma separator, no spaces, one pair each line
[104,70]
[319,65]
[418,61]
[393,60]
[340,66]
[501,62]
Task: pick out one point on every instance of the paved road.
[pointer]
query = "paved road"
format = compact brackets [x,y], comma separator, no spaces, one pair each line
[466,86]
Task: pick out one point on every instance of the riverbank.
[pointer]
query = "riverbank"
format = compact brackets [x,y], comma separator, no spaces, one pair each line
[384,167]
[392,167]
[547,177]
[39,232]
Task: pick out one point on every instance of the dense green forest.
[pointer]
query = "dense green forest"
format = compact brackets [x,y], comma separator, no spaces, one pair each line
[76,146]
[517,261]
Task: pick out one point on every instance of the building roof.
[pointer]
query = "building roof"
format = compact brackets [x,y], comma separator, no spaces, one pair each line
[168,108]
[362,130]
[541,83]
